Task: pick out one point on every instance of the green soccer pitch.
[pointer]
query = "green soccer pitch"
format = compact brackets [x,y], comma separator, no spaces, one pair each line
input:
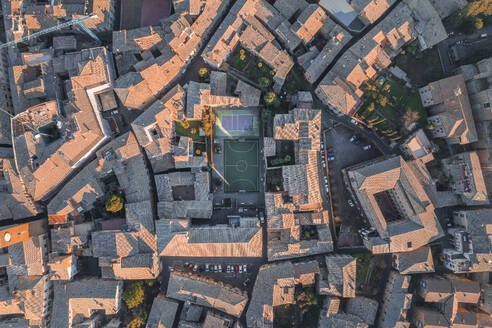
[241,165]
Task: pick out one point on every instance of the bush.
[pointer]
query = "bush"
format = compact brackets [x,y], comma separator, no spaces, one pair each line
[114,204]
[270,98]
[264,82]
[134,294]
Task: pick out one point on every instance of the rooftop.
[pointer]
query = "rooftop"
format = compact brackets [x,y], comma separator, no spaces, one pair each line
[207,293]
[396,204]
[55,145]
[450,109]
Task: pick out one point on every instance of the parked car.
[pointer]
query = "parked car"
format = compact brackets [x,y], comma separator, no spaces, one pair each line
[236,268]
[324,163]
[483,35]
[327,190]
[249,268]
[325,178]
[195,268]
[220,268]
[361,126]
[367,147]
[330,159]
[171,269]
[245,267]
[321,144]
[207,267]
[354,122]
[216,268]
[353,138]
[332,154]
[330,149]
[229,268]
[351,203]
[240,269]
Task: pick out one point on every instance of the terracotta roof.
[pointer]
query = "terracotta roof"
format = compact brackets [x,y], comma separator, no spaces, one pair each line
[207,293]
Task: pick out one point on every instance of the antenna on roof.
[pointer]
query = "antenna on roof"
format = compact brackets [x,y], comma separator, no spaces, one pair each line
[77,22]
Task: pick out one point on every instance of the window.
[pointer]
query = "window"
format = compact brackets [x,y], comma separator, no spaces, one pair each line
[409,244]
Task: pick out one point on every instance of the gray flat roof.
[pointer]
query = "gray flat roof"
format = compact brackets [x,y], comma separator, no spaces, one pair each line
[340,9]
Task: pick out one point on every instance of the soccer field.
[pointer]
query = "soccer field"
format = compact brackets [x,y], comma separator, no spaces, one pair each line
[241,165]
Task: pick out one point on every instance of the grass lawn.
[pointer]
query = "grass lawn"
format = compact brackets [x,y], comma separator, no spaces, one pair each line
[363,261]
[294,81]
[282,316]
[421,67]
[192,131]
[251,66]
[392,110]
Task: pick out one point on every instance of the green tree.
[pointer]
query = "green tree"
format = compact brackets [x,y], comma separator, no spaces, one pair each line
[137,322]
[134,294]
[305,299]
[383,100]
[114,204]
[264,82]
[478,23]
[270,98]
[204,73]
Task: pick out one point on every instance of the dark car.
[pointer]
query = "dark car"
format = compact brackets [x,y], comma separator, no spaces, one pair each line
[236,268]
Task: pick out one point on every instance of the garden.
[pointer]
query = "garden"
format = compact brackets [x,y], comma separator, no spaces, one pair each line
[363,261]
[252,67]
[274,181]
[305,313]
[189,129]
[284,154]
[259,73]
[137,300]
[422,67]
[391,109]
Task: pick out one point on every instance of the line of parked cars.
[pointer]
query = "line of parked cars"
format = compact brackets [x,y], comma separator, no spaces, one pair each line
[330,153]
[229,268]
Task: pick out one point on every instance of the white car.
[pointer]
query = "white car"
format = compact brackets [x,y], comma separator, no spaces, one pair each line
[332,158]
[207,267]
[245,268]
[366,147]
[327,190]
[324,164]
[240,269]
[326,179]
[321,144]
[220,268]
[354,122]
[351,203]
